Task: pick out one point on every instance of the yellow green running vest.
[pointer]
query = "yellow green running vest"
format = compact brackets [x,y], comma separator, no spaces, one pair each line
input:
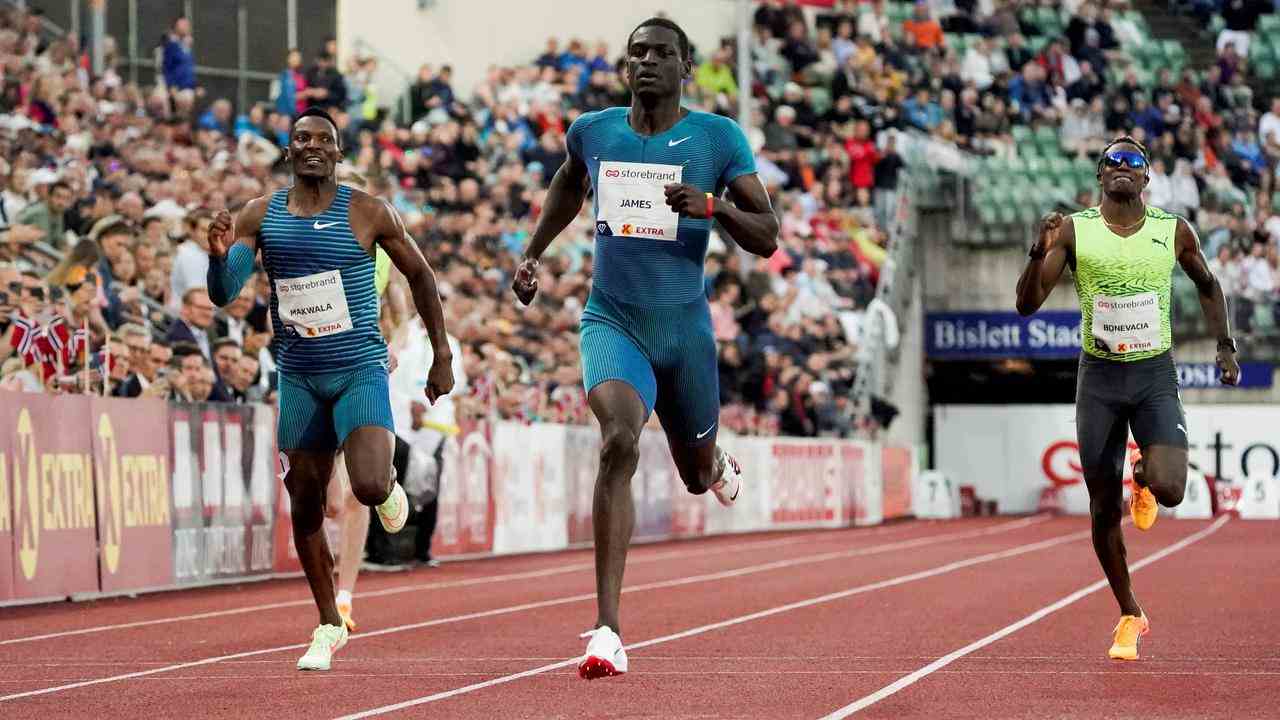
[1124,285]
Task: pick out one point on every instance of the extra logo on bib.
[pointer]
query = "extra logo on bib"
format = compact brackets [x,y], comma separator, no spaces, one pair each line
[1128,324]
[633,202]
[313,305]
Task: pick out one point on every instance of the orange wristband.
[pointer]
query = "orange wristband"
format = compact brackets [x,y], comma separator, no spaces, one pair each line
[711,205]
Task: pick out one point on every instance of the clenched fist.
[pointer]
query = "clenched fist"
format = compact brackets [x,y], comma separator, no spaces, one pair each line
[1050,229]
[220,235]
[686,200]
[525,283]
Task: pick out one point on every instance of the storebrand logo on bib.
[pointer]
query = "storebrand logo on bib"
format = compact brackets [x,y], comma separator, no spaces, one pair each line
[612,173]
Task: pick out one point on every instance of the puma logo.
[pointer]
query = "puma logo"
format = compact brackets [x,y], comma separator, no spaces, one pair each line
[1163,243]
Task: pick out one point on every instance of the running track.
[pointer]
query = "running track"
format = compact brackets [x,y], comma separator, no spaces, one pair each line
[989,617]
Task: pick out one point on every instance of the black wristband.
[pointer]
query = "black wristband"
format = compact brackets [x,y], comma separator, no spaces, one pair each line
[1037,251]
[1227,344]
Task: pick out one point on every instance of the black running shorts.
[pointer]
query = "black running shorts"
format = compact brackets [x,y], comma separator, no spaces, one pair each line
[1113,397]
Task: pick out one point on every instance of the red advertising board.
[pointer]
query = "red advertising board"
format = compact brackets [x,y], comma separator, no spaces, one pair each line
[131,470]
[49,464]
[895,468]
[465,524]
[6,509]
[806,486]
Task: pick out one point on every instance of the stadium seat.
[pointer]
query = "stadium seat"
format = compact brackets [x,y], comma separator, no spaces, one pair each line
[1264,319]
[1269,25]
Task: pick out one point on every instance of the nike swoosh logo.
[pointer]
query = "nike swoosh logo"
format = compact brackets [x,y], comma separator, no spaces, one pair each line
[673,143]
[705,432]
[735,493]
[320,226]
[1184,430]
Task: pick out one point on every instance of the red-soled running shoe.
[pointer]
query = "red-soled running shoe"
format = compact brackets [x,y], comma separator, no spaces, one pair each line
[604,657]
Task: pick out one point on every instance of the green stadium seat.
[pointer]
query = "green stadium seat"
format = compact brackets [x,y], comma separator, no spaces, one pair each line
[1060,169]
[1266,70]
[1269,25]
[1264,319]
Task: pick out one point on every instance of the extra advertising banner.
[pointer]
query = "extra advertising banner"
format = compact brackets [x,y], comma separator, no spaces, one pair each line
[465,524]
[131,457]
[1011,453]
[47,466]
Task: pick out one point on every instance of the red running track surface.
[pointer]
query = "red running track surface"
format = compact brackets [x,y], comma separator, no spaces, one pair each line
[996,618]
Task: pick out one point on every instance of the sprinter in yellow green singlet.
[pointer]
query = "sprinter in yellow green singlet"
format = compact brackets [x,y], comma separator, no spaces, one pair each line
[1122,255]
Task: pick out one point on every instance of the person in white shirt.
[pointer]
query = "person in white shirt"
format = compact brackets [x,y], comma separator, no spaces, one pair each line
[1269,130]
[1186,194]
[191,260]
[977,65]
[1159,190]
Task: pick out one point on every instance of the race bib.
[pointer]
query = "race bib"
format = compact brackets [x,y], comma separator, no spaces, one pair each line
[1128,324]
[313,305]
[632,201]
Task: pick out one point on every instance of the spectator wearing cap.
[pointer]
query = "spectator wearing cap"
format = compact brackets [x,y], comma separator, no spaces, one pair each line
[195,322]
[48,216]
[178,63]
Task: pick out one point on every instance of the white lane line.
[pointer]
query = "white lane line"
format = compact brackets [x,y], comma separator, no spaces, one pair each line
[850,592]
[341,676]
[726,574]
[396,590]
[945,660]
[446,584]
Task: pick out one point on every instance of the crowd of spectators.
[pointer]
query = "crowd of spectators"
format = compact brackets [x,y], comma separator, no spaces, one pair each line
[109,190]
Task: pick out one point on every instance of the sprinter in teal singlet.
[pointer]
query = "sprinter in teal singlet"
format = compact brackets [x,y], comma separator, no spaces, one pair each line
[318,242]
[658,171]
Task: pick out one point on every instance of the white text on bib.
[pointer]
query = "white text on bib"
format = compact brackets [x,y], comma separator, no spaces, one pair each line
[1128,324]
[313,305]
[632,200]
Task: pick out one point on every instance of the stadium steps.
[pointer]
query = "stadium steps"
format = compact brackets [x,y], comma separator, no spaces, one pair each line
[1166,25]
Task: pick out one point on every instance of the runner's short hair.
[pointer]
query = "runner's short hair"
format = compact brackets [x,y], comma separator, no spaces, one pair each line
[662,22]
[317,111]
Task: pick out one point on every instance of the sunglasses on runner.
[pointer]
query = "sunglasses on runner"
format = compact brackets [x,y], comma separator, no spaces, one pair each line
[1123,158]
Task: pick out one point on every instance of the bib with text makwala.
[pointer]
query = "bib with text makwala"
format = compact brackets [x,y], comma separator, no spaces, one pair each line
[313,305]
[632,201]
[1126,324]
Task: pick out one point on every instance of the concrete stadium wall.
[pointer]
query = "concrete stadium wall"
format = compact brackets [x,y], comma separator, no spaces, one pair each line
[471,36]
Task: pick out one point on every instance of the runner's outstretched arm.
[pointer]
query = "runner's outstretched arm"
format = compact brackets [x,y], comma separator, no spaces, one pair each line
[749,219]
[1212,300]
[389,234]
[1048,259]
[564,200]
[231,254]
